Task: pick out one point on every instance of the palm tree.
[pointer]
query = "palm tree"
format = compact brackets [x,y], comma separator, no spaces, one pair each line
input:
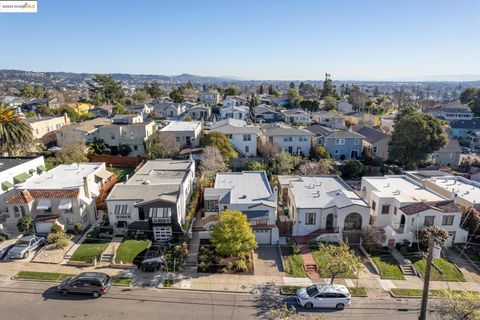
[98,146]
[15,133]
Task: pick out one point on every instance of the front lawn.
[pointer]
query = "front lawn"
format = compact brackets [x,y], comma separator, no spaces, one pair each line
[293,263]
[92,247]
[129,249]
[44,276]
[417,293]
[322,260]
[451,273]
[387,265]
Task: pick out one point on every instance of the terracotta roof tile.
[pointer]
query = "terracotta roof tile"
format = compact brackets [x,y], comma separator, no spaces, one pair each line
[443,206]
[26,196]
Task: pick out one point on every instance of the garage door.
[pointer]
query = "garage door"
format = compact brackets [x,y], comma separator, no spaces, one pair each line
[162,233]
[262,236]
[43,227]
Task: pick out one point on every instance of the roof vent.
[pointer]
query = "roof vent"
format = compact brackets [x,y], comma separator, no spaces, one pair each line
[396,192]
[243,196]
[146,182]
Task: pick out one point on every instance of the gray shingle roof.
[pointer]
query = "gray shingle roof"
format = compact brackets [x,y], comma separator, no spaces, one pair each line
[371,135]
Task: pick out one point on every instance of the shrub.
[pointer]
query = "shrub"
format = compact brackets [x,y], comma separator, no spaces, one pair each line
[241,265]
[229,265]
[77,227]
[61,243]
[59,239]
[25,224]
[56,229]
[202,266]
[3,237]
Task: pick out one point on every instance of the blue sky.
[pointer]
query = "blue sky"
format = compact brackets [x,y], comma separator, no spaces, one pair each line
[251,39]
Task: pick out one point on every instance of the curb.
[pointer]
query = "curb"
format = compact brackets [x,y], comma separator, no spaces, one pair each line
[205,290]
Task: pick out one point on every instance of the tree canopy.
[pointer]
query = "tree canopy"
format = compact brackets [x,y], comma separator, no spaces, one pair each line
[177,95]
[284,163]
[15,132]
[102,89]
[232,235]
[329,103]
[220,141]
[339,259]
[162,145]
[416,136]
[231,91]
[328,89]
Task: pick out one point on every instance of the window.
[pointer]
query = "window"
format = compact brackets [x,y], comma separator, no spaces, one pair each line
[356,141]
[447,220]
[135,148]
[375,149]
[229,136]
[374,205]
[310,218]
[247,149]
[395,210]
[339,142]
[69,221]
[247,137]
[177,139]
[385,209]
[290,139]
[211,205]
[429,220]
[122,211]
[336,151]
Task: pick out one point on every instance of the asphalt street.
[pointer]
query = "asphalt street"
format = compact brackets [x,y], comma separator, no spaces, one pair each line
[30,300]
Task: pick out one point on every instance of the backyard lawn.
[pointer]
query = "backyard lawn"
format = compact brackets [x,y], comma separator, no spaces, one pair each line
[451,273]
[387,265]
[293,263]
[129,249]
[121,172]
[92,247]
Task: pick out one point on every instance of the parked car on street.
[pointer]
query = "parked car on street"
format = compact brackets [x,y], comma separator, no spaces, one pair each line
[24,246]
[324,296]
[94,283]
[5,246]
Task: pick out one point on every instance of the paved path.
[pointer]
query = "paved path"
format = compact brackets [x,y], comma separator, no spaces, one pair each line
[267,261]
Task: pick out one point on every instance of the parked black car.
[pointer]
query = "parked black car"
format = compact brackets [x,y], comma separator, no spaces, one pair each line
[94,283]
[153,260]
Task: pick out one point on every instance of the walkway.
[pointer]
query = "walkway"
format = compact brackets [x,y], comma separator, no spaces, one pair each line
[194,243]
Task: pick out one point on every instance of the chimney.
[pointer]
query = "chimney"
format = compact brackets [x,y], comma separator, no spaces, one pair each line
[66,119]
[86,187]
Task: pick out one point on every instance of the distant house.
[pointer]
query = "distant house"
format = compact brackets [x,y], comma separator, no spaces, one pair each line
[43,126]
[127,130]
[266,114]
[450,154]
[235,112]
[127,119]
[170,110]
[143,110]
[329,119]
[81,133]
[105,111]
[243,137]
[62,196]
[296,116]
[81,108]
[344,107]
[287,138]
[234,191]
[322,208]
[33,104]
[375,143]
[344,145]
[154,200]
[450,112]
[210,98]
[199,112]
[232,101]
[462,128]
[187,133]
[320,132]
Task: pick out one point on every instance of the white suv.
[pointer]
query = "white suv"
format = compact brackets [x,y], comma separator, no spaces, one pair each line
[324,296]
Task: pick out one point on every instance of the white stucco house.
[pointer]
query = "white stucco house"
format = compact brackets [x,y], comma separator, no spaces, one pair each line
[235,112]
[248,192]
[322,208]
[287,138]
[243,137]
[402,206]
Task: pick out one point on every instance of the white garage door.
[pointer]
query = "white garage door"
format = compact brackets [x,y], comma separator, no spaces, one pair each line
[262,236]
[43,227]
[162,233]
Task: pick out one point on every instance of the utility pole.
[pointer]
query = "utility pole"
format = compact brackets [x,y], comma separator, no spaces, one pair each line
[426,281]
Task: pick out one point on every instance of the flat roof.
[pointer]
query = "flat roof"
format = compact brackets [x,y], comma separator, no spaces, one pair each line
[323,192]
[11,162]
[246,186]
[462,187]
[181,126]
[403,188]
[62,177]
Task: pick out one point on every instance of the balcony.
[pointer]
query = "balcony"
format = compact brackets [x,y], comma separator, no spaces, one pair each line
[161,220]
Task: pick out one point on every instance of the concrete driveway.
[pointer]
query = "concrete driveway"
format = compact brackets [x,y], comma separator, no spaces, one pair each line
[267,261]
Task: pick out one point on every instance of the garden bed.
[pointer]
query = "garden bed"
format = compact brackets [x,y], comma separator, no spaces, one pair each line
[387,265]
[130,249]
[92,247]
[211,262]
[293,262]
[451,273]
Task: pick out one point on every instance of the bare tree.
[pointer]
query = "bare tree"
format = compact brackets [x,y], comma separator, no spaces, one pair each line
[322,167]
[212,163]
[373,238]
[162,145]
[464,305]
[267,149]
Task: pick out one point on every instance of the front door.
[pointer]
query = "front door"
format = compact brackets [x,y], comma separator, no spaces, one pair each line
[329,221]
[290,149]
[189,142]
[354,154]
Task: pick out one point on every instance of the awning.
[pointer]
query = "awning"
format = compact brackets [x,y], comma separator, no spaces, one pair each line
[46,218]
[21,178]
[65,204]
[160,213]
[6,185]
[41,169]
[31,171]
[104,174]
[44,204]
[85,201]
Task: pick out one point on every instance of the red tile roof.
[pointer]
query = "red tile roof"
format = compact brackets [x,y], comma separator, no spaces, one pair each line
[26,196]
[443,206]
[46,218]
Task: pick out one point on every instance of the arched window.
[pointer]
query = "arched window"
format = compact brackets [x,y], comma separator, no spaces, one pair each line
[353,221]
[16,211]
